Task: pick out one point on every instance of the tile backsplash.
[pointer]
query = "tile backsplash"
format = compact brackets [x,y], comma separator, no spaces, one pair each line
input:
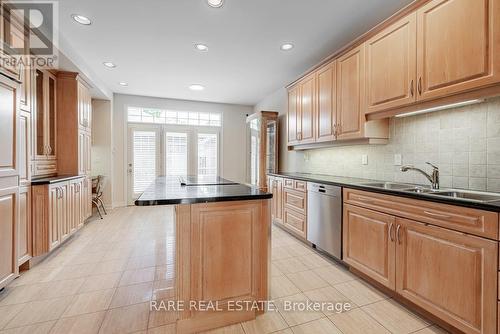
[463,142]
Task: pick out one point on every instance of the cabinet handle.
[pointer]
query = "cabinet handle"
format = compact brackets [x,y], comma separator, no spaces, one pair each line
[420,86]
[390,232]
[397,234]
[411,88]
[436,215]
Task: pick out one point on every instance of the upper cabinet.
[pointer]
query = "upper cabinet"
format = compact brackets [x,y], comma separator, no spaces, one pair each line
[458,44]
[433,53]
[45,118]
[391,66]
[326,122]
[351,94]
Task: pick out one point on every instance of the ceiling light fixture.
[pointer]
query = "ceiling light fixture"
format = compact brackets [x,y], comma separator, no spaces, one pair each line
[286,47]
[215,3]
[201,47]
[447,106]
[109,64]
[196,87]
[124,84]
[81,19]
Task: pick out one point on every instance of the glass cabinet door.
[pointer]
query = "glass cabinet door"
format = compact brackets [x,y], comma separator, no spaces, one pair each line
[51,115]
[271,147]
[40,144]
[253,142]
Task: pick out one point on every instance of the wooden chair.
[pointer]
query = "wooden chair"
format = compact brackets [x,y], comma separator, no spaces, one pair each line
[97,192]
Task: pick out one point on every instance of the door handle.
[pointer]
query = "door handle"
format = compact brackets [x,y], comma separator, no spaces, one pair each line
[420,86]
[397,234]
[391,227]
[411,88]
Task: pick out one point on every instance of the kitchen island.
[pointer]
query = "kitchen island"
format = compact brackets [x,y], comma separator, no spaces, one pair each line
[222,249]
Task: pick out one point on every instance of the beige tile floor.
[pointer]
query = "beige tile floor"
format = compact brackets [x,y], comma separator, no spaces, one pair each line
[103,279]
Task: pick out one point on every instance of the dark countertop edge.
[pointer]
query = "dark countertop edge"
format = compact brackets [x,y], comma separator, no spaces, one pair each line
[197,200]
[54,179]
[468,204]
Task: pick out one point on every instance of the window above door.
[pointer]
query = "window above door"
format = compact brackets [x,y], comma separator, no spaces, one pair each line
[160,116]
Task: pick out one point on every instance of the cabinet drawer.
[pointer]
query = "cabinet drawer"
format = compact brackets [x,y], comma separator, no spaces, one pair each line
[288,183]
[45,167]
[295,200]
[300,185]
[473,221]
[296,222]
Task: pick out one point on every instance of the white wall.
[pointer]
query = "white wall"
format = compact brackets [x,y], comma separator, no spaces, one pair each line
[463,142]
[102,135]
[233,136]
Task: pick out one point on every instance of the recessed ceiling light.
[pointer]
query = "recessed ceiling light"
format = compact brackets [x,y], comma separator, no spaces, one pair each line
[201,47]
[196,87]
[81,19]
[123,84]
[286,47]
[109,64]
[215,3]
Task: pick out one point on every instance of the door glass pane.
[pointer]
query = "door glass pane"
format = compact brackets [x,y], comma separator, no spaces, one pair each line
[176,153]
[40,118]
[144,146]
[207,154]
[52,116]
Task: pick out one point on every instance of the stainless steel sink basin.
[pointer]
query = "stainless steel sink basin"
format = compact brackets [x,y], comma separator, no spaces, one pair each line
[390,185]
[420,190]
[468,195]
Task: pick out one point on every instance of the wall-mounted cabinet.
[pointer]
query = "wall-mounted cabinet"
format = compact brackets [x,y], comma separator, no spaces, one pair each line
[326,123]
[45,124]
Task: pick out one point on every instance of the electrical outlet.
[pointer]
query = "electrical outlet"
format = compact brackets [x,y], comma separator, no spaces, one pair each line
[398,160]
[364,159]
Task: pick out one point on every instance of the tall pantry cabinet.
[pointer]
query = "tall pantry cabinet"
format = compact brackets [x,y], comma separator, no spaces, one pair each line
[74,132]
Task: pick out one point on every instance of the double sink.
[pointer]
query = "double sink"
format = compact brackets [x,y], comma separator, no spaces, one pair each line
[476,196]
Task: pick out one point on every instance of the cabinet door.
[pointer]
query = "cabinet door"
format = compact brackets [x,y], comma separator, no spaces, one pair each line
[351,99]
[63,211]
[24,227]
[9,214]
[25,89]
[77,209]
[295,222]
[293,115]
[81,152]
[88,153]
[391,75]
[326,96]
[450,274]
[24,147]
[279,200]
[39,121]
[51,110]
[54,216]
[458,43]
[9,104]
[369,244]
[307,110]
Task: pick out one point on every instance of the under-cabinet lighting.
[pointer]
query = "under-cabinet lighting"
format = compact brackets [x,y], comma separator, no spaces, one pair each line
[447,106]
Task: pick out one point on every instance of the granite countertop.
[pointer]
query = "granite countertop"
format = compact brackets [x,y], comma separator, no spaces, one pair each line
[54,179]
[168,190]
[356,183]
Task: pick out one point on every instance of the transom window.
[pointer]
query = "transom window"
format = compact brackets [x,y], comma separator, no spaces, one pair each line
[159,116]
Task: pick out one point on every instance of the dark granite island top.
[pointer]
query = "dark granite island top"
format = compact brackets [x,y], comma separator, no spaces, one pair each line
[168,190]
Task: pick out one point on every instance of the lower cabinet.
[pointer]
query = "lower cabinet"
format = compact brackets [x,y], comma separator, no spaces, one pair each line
[276,188]
[57,213]
[24,235]
[450,274]
[9,198]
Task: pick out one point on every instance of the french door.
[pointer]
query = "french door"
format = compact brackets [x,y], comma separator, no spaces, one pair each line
[170,150]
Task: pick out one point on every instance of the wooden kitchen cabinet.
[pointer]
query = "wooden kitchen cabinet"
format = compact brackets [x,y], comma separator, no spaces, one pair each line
[24,235]
[307,109]
[75,203]
[11,36]
[391,64]
[326,122]
[295,222]
[449,274]
[369,244]
[276,188]
[293,116]
[458,46]
[428,259]
[44,119]
[9,198]
[351,100]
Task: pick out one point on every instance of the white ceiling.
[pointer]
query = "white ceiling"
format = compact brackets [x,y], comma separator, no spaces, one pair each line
[152,42]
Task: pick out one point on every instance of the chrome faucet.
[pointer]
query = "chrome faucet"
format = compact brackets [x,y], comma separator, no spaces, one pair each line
[433,178]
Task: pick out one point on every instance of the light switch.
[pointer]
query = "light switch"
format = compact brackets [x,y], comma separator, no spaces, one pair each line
[364,159]
[398,160]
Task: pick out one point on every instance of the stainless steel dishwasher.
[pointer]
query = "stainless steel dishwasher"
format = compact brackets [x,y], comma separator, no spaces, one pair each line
[324,218]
